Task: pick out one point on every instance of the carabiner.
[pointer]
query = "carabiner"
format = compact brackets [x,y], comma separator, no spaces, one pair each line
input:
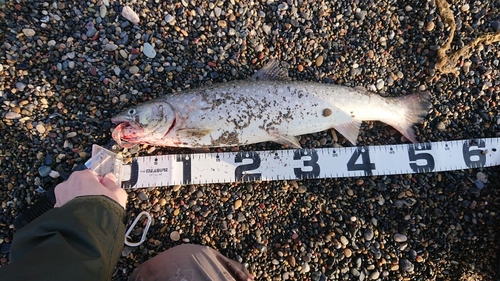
[146,228]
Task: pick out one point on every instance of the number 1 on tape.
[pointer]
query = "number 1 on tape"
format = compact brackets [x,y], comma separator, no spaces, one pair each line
[166,170]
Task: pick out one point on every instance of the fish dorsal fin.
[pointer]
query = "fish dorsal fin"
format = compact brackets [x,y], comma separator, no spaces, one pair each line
[271,71]
[349,130]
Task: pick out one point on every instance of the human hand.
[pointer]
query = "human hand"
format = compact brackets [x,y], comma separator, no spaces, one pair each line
[86,182]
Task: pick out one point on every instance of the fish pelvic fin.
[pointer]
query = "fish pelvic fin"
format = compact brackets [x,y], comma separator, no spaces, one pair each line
[414,108]
[271,71]
[349,130]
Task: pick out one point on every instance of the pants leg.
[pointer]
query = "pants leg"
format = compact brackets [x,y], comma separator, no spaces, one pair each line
[190,262]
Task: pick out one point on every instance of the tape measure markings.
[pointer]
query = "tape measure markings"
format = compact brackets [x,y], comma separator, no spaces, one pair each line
[293,164]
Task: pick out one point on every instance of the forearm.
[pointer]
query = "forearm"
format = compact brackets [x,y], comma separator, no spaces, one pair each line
[81,240]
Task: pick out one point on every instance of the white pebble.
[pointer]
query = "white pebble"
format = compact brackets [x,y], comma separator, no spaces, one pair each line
[12,115]
[103,11]
[266,28]
[54,174]
[40,128]
[305,268]
[117,70]
[149,51]
[28,32]
[380,84]
[169,18]
[129,14]
[110,47]
[400,237]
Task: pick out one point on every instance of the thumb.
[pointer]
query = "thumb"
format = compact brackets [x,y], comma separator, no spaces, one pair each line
[109,181]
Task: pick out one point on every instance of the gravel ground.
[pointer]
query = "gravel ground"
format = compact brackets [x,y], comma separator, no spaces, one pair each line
[67,67]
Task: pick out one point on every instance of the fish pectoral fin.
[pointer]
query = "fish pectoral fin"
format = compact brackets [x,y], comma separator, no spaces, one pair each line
[193,132]
[349,130]
[290,141]
[271,71]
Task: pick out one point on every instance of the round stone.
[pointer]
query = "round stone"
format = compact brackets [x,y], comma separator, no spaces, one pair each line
[327,112]
[398,237]
[44,171]
[175,235]
[347,252]
[368,234]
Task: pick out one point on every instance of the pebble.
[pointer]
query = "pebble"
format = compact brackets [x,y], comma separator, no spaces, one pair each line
[175,236]
[130,15]
[44,171]
[133,70]
[347,252]
[237,204]
[441,126]
[169,18]
[495,25]
[380,84]
[20,86]
[110,47]
[319,61]
[368,234]
[305,268]
[143,196]
[103,11]
[429,26]
[406,265]
[398,237]
[375,275]
[29,32]
[12,115]
[149,51]
[40,128]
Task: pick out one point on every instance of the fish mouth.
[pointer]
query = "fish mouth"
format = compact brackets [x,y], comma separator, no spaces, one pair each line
[135,138]
[117,135]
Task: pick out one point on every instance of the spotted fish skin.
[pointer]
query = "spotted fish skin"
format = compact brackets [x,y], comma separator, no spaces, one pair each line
[268,107]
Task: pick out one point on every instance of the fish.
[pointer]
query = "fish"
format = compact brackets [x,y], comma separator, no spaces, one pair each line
[268,107]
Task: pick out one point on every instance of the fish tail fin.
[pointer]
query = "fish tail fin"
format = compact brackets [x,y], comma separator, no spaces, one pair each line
[413,109]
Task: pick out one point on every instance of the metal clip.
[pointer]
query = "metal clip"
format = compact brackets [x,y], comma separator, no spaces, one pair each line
[146,228]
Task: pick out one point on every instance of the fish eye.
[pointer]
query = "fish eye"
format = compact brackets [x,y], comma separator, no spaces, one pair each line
[132,112]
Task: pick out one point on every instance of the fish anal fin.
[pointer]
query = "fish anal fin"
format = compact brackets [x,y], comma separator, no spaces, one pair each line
[349,130]
[193,132]
[286,140]
[271,71]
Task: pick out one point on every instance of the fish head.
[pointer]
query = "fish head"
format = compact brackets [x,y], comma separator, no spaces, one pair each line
[146,123]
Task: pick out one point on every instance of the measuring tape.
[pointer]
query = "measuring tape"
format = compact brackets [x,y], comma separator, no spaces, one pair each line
[296,164]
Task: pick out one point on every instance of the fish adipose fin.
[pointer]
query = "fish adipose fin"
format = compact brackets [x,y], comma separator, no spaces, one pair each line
[413,109]
[349,130]
[271,71]
[193,132]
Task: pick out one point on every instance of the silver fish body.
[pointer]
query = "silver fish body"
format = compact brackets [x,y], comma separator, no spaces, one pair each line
[270,109]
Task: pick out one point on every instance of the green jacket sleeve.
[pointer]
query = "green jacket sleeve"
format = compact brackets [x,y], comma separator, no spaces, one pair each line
[82,240]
